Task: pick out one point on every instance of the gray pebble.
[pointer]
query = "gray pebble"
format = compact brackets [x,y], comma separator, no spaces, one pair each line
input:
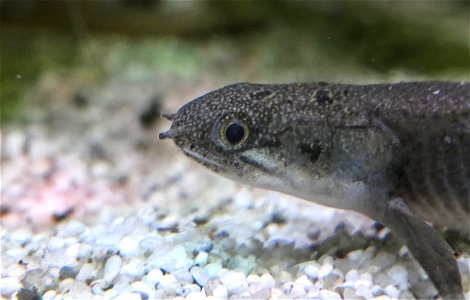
[67,272]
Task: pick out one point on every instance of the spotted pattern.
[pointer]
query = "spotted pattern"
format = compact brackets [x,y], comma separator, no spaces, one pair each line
[414,136]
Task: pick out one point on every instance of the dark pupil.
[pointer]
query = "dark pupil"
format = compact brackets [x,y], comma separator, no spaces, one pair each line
[234,133]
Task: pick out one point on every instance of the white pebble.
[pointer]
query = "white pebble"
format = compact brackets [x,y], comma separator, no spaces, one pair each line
[245,295]
[9,285]
[86,273]
[304,281]
[352,275]
[287,287]
[267,280]
[149,244]
[220,292]
[84,251]
[72,228]
[298,291]
[50,294]
[195,295]
[355,255]
[277,294]
[213,269]
[111,270]
[349,293]
[366,277]
[183,276]
[73,250]
[400,275]
[329,295]
[363,291]
[141,287]
[189,288]
[200,275]
[17,271]
[128,246]
[96,287]
[153,277]
[312,271]
[167,280]
[133,268]
[111,294]
[325,270]
[392,291]
[234,281]
[201,259]
[253,279]
[55,243]
[376,290]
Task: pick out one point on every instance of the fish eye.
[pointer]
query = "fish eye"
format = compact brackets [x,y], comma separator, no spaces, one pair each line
[234,133]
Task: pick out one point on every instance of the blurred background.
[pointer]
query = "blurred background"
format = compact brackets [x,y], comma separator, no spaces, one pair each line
[83,82]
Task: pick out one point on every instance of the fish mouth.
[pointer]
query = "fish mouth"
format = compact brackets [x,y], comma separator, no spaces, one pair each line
[209,163]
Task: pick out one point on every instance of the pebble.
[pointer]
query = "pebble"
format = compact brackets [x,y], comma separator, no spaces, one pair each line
[234,281]
[267,280]
[153,277]
[220,292]
[329,295]
[253,279]
[312,271]
[392,291]
[67,272]
[349,293]
[400,275]
[188,288]
[200,275]
[72,228]
[325,270]
[195,296]
[213,269]
[297,291]
[201,258]
[87,272]
[183,276]
[303,281]
[9,286]
[167,280]
[111,270]
[55,244]
[352,275]
[50,294]
[133,268]
[142,288]
[128,246]
[150,243]
[17,271]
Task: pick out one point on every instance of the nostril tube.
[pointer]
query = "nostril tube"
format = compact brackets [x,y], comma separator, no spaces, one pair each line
[165,134]
[168,116]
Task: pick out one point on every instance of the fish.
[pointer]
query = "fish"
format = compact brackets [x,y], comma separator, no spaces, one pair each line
[398,153]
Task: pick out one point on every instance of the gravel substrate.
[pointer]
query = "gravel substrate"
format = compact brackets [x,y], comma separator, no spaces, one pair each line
[134,219]
[241,247]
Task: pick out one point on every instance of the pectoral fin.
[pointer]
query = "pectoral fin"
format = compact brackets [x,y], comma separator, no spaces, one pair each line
[428,248]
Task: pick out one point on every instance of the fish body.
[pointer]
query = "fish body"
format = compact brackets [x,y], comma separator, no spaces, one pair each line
[398,153]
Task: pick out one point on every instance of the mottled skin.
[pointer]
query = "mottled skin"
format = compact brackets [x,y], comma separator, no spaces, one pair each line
[398,153]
